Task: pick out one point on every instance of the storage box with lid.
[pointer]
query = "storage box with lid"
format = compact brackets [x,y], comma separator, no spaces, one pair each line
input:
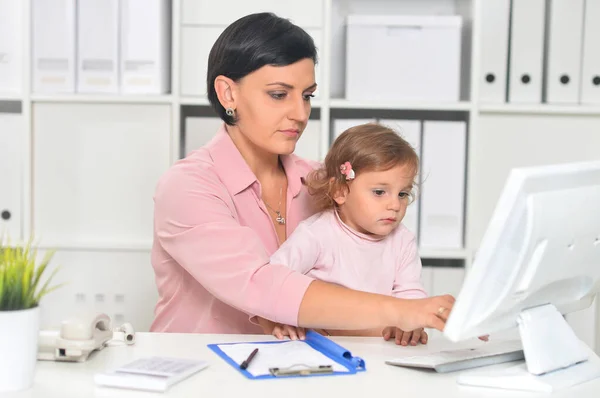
[403,58]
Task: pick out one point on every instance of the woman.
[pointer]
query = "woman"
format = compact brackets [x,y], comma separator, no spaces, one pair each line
[223,210]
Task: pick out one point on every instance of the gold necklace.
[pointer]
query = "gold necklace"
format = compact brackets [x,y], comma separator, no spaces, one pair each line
[280,219]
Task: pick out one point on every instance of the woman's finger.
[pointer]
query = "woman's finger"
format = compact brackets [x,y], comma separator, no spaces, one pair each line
[436,322]
[277,332]
[301,333]
[291,331]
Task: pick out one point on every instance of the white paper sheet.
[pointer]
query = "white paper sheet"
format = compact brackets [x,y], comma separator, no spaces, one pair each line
[279,355]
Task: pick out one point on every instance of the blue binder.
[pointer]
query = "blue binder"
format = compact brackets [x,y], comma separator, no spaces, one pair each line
[319,343]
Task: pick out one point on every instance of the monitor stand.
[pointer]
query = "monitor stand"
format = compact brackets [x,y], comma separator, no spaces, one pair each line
[554,357]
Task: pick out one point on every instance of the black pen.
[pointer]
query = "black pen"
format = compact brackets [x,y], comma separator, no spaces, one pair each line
[246,363]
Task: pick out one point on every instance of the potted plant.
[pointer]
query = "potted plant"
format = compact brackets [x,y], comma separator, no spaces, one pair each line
[22,286]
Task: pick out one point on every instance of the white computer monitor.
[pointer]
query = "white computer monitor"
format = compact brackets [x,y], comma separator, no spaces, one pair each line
[539,259]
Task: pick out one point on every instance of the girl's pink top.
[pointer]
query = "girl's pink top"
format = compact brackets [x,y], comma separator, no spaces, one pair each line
[325,248]
[213,237]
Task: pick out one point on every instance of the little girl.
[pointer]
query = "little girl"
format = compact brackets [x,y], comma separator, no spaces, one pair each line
[357,239]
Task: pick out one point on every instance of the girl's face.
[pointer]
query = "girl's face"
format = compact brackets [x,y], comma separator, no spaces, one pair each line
[376,201]
[272,105]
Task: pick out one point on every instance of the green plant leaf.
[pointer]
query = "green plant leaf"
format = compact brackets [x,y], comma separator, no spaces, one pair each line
[21,275]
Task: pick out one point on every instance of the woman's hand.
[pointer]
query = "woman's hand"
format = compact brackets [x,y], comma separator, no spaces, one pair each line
[405,338]
[431,312]
[280,331]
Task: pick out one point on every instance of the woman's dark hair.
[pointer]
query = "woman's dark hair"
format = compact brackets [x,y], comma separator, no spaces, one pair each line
[250,43]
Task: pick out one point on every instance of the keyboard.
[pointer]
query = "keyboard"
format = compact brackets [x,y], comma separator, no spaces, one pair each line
[464,358]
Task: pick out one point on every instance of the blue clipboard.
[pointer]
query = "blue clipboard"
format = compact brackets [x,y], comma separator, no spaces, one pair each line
[320,343]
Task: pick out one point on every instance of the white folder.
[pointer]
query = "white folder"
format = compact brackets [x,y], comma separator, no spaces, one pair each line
[495,20]
[98,46]
[443,184]
[565,35]
[526,51]
[341,125]
[53,62]
[410,130]
[10,175]
[590,75]
[145,46]
[199,131]
[309,144]
[10,46]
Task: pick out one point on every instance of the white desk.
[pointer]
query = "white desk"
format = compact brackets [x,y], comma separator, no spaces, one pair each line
[65,380]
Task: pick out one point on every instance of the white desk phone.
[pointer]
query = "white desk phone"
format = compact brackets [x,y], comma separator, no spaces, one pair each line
[78,337]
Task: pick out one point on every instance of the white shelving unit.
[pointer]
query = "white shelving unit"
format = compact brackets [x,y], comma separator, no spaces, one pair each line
[500,136]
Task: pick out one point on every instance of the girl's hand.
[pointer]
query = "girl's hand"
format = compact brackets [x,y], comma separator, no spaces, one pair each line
[405,338]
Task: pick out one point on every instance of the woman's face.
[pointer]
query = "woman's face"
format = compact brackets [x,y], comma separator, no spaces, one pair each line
[273,105]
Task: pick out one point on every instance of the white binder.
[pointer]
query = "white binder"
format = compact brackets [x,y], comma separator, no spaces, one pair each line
[526,51]
[98,46]
[10,46]
[443,184]
[495,20]
[10,175]
[590,75]
[410,130]
[309,144]
[53,35]
[565,35]
[341,125]
[145,46]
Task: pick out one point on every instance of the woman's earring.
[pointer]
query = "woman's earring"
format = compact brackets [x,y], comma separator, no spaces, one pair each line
[230,112]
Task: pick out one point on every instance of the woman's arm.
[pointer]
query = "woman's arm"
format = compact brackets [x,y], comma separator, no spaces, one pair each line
[196,227]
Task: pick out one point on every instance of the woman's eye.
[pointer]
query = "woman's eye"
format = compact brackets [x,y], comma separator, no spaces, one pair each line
[404,195]
[378,192]
[277,96]
[307,97]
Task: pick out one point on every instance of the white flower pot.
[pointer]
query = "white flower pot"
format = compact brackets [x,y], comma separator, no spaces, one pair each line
[19,332]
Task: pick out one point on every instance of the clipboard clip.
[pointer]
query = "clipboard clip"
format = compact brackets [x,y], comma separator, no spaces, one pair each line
[300,370]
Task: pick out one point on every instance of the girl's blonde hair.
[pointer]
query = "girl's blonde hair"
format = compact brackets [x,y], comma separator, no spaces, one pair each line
[368,147]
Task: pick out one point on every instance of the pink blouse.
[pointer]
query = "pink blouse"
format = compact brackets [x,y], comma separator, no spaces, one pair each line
[213,237]
[325,248]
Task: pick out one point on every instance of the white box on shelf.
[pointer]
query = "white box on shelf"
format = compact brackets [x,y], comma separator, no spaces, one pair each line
[565,39]
[98,46]
[10,46]
[410,130]
[403,58]
[526,51]
[95,171]
[495,22]
[53,45]
[341,125]
[306,13]
[145,46]
[11,150]
[590,72]
[443,187]
[309,144]
[196,43]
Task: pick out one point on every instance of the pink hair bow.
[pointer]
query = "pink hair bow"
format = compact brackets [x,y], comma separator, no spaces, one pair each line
[346,169]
